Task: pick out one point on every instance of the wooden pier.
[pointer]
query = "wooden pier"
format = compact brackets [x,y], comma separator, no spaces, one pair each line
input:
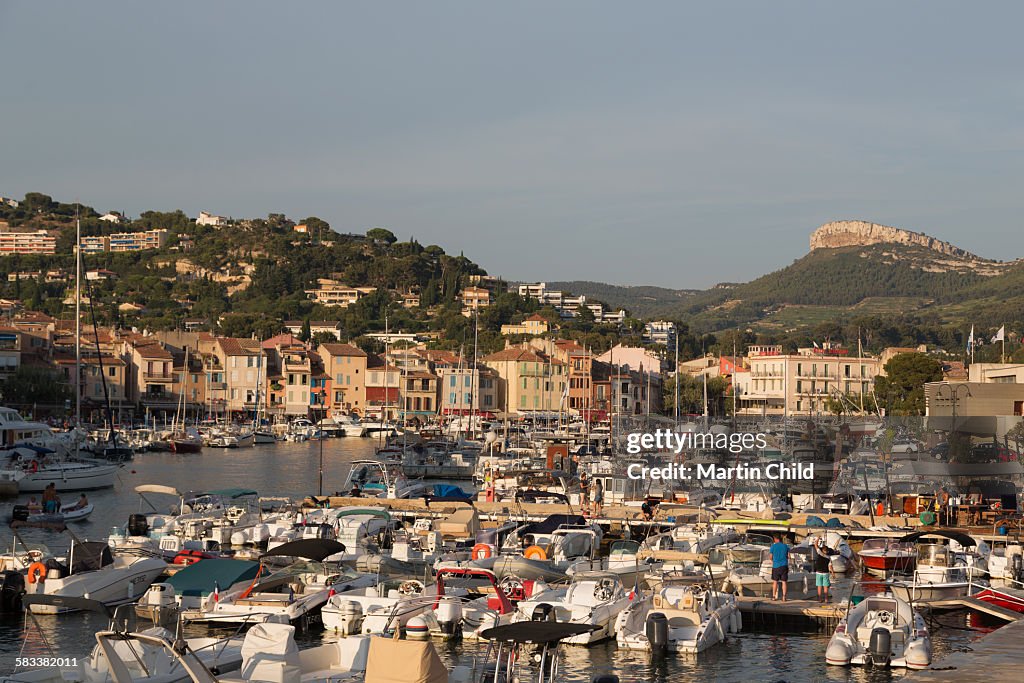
[994,658]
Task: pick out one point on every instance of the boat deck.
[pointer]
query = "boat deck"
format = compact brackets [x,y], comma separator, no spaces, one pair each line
[994,658]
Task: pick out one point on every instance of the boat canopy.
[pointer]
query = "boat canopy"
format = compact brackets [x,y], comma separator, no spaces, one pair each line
[158,488]
[230,493]
[530,495]
[958,536]
[315,549]
[200,578]
[553,522]
[536,632]
[70,602]
[354,511]
[89,555]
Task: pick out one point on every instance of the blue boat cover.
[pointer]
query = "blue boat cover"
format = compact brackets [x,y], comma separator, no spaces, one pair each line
[198,579]
[450,491]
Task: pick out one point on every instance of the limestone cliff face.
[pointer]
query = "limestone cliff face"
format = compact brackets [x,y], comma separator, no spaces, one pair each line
[861,233]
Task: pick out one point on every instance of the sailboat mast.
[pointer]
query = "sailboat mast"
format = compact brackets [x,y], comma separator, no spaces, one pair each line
[475,377]
[78,321]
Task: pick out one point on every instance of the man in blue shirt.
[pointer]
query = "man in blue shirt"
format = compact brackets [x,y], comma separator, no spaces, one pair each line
[780,566]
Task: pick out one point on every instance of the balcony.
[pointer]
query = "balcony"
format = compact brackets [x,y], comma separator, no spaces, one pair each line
[217,386]
[157,377]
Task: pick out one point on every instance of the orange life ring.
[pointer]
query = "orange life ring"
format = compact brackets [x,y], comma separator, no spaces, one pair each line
[535,552]
[36,572]
[481,551]
[35,466]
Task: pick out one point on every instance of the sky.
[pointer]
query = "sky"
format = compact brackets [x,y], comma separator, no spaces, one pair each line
[663,143]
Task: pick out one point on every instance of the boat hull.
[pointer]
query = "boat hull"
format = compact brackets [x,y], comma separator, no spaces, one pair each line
[69,477]
[185,447]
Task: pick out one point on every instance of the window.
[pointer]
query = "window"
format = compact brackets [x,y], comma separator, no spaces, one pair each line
[451,381]
[113,372]
[467,381]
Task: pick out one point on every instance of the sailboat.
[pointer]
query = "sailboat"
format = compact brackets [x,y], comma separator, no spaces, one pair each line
[260,434]
[181,441]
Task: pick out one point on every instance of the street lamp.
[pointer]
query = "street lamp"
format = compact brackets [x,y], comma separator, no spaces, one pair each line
[954,397]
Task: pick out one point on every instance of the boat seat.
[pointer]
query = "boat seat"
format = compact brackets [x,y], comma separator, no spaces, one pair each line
[463,523]
[678,618]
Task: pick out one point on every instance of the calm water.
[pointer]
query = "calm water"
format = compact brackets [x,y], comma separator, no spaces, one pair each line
[287,469]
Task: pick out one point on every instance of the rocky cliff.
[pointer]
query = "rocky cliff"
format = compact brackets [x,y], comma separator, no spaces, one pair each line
[861,233]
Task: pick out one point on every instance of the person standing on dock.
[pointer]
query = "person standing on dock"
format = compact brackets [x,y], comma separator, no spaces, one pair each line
[780,567]
[598,497]
[820,557]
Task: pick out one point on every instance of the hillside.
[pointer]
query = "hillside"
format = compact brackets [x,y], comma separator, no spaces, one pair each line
[642,302]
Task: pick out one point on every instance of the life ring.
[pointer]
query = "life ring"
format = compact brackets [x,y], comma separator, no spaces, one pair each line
[34,466]
[481,551]
[36,572]
[535,552]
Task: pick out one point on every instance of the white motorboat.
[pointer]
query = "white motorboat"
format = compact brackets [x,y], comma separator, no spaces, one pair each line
[756,579]
[378,609]
[944,570]
[594,598]
[844,559]
[678,618]
[120,655]
[295,593]
[67,513]
[92,570]
[882,630]
[374,479]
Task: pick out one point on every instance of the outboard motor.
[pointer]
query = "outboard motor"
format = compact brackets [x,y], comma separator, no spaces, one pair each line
[656,630]
[449,616]
[137,525]
[1016,566]
[13,587]
[19,513]
[880,646]
[543,612]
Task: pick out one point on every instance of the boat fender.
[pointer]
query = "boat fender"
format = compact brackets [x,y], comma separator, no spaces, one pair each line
[481,551]
[36,572]
[535,552]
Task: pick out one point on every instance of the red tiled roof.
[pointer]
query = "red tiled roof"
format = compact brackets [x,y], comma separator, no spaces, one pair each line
[233,346]
[343,350]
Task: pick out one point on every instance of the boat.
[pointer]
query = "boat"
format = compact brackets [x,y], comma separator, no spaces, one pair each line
[882,630]
[756,579]
[594,598]
[942,571]
[687,619]
[844,560]
[374,479]
[184,442]
[884,556]
[123,655]
[67,513]
[37,470]
[379,609]
[1002,596]
[294,593]
[191,587]
[92,570]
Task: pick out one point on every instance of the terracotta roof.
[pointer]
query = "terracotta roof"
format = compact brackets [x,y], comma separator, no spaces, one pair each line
[343,350]
[153,351]
[281,340]
[233,346]
[515,354]
[536,316]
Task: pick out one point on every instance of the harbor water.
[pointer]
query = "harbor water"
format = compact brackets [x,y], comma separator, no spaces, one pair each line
[766,651]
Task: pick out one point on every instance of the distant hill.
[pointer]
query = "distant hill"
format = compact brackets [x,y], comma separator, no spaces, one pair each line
[644,301]
[854,268]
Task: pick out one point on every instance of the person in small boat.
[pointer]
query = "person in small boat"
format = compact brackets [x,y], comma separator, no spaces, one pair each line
[51,501]
[82,502]
[780,567]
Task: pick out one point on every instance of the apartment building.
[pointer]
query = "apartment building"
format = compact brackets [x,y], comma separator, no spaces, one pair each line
[419,395]
[383,389]
[533,383]
[533,326]
[333,293]
[150,375]
[136,241]
[463,390]
[345,367]
[95,244]
[35,242]
[473,299]
[242,363]
[211,220]
[804,383]
[660,332]
[289,388]
[10,351]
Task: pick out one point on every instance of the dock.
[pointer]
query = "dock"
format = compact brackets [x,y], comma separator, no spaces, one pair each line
[994,658]
[760,610]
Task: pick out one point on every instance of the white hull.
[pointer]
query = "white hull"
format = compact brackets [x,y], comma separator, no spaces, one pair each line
[69,477]
[113,585]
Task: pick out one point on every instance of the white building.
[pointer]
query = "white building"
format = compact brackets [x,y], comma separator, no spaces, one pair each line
[211,220]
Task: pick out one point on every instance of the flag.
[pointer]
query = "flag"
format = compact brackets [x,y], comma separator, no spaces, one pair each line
[635,590]
[815,344]
[1000,335]
[970,340]
[216,592]
[331,593]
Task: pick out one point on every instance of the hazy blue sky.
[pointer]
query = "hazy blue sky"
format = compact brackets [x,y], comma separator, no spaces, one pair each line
[634,143]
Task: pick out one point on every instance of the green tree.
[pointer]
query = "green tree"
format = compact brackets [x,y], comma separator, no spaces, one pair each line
[305,334]
[901,388]
[34,385]
[381,235]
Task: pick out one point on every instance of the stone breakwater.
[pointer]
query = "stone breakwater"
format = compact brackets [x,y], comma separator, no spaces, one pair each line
[862,233]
